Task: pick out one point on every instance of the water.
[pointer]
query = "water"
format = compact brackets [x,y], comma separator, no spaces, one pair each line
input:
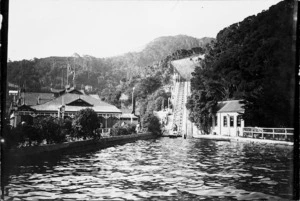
[160,169]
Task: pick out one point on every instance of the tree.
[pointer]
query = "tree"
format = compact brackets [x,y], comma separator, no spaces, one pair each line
[126,129]
[85,123]
[147,86]
[151,123]
[49,129]
[251,60]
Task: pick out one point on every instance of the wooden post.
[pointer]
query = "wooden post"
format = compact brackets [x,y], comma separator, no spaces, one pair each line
[285,134]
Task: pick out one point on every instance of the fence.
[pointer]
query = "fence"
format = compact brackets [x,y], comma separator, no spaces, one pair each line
[283,134]
[105,131]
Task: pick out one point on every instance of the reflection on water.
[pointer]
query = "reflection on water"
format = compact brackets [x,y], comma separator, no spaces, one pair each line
[161,169]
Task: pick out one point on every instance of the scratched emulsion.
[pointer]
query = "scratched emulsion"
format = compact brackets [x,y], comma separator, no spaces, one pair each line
[160,169]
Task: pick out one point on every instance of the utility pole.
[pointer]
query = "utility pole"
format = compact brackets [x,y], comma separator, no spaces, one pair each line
[133,105]
[74,72]
[62,78]
[68,66]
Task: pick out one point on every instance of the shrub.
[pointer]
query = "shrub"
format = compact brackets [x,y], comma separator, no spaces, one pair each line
[130,128]
[151,123]
[117,130]
[50,129]
[126,129]
[32,135]
[67,128]
[86,123]
[24,135]
[160,103]
[13,136]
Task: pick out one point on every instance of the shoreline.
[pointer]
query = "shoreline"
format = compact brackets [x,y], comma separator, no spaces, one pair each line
[241,139]
[78,145]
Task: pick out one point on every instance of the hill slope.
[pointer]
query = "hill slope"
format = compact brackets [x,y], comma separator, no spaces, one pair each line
[161,47]
[251,60]
[100,73]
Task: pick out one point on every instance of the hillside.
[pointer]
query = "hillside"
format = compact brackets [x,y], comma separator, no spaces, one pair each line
[186,66]
[161,47]
[41,74]
[105,75]
[251,60]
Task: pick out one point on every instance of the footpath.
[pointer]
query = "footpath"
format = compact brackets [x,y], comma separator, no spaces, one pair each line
[242,139]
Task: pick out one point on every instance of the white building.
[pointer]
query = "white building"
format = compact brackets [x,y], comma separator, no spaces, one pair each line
[228,119]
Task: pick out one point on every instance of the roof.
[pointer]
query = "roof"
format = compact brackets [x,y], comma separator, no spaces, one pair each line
[68,90]
[31,98]
[230,106]
[11,85]
[98,105]
[186,66]
[128,115]
[95,96]
[126,110]
[57,90]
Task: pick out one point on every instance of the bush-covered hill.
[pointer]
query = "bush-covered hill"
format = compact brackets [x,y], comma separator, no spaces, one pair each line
[107,76]
[161,47]
[251,60]
[100,73]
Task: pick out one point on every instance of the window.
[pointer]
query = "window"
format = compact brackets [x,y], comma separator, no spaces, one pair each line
[225,121]
[216,120]
[231,121]
[238,120]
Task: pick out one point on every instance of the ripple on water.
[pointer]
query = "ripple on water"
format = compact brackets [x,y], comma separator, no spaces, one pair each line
[163,169]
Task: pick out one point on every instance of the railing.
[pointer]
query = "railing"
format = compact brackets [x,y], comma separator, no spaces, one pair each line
[283,134]
[104,131]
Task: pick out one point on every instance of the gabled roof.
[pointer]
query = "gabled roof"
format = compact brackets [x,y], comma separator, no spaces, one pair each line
[230,106]
[126,111]
[74,91]
[68,90]
[65,99]
[25,108]
[128,115]
[95,96]
[31,98]
[57,90]
[79,102]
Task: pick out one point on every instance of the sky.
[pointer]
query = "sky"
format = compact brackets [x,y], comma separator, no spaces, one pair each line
[102,28]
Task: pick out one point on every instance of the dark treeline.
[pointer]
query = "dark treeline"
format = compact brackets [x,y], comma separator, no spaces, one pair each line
[250,60]
[108,77]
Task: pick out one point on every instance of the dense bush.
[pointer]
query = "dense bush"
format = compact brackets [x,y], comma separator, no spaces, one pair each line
[252,60]
[50,129]
[151,123]
[44,129]
[67,128]
[13,136]
[126,129]
[160,103]
[86,123]
[24,135]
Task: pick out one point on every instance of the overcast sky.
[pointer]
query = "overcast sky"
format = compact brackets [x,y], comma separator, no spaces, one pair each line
[42,28]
